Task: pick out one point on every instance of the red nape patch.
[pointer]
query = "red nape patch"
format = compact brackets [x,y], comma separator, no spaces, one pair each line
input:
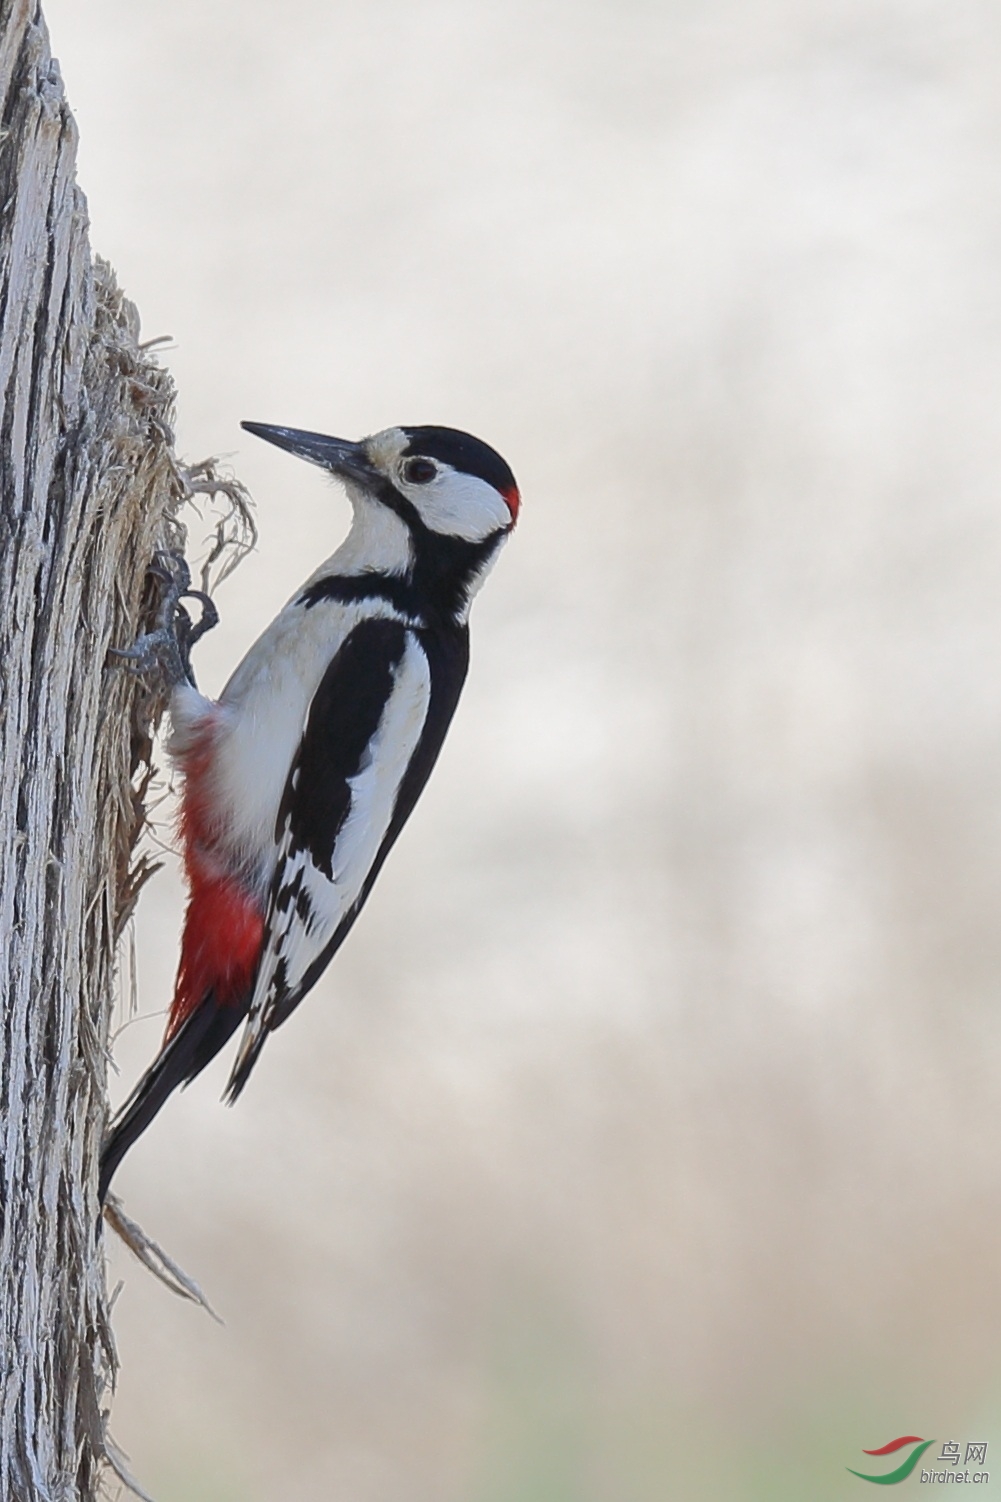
[513,499]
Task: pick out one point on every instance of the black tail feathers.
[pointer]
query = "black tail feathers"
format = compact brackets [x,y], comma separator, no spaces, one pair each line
[197,1040]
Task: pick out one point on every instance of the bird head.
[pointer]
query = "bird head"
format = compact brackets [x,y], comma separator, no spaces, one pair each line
[446,480]
[430,503]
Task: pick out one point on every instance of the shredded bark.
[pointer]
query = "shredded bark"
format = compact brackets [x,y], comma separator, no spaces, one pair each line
[90,489]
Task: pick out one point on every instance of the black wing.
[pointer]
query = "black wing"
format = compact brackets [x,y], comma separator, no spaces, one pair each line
[374,730]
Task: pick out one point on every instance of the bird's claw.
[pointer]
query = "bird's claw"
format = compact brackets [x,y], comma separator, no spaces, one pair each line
[209,617]
[156,651]
[172,568]
[167,648]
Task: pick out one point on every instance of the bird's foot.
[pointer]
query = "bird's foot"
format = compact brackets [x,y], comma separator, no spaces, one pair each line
[167,648]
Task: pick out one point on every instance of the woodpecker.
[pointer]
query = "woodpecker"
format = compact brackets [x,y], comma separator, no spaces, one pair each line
[297,781]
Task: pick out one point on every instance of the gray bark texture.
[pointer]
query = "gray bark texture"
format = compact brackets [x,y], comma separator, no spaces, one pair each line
[88,492]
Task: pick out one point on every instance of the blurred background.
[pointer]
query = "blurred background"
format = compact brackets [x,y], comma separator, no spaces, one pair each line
[644,1141]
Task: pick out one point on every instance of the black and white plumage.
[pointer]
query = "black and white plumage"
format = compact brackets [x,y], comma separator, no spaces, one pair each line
[298,780]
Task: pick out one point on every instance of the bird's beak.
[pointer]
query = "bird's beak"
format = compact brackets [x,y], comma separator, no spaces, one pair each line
[338,455]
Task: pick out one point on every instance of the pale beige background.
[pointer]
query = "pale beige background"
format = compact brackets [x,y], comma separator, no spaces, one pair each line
[645,1140]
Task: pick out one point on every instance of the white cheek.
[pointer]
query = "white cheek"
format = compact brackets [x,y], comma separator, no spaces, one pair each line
[459,505]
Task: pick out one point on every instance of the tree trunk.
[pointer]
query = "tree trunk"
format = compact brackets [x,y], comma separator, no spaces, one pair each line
[88,490]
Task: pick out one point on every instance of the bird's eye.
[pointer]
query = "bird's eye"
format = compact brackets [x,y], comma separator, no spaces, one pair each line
[419,471]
